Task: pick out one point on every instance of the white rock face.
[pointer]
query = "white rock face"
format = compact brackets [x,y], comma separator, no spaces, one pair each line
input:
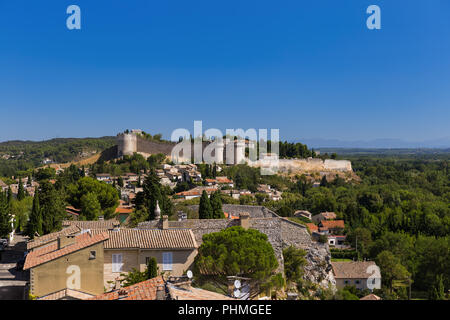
[319,269]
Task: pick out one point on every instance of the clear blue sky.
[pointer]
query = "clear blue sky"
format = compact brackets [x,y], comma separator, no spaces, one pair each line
[310,68]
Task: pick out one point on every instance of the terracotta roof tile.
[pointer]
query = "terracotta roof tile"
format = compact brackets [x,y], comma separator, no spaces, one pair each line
[149,238]
[332,224]
[145,290]
[51,251]
[312,227]
[39,241]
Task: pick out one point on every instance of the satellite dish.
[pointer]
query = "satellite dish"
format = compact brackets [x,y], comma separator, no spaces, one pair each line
[237,284]
[237,293]
[189,274]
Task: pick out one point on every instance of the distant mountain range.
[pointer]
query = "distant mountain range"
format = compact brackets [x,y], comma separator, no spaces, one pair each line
[442,143]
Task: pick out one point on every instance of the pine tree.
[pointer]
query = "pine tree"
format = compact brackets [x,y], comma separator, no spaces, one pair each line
[20,192]
[205,210]
[216,203]
[35,223]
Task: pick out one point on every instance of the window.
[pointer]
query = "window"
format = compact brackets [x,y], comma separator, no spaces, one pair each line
[92,255]
[167,261]
[357,281]
[117,262]
[346,281]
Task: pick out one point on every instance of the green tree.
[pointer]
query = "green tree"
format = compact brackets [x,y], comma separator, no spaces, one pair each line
[53,208]
[106,195]
[90,206]
[120,182]
[391,268]
[216,204]
[20,191]
[294,262]
[437,290]
[10,195]
[5,218]
[152,268]
[235,251]
[205,210]
[153,192]
[35,223]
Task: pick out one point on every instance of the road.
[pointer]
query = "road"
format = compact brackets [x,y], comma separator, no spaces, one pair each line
[12,282]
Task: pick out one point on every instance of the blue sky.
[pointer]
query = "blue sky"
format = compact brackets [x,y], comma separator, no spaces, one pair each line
[310,68]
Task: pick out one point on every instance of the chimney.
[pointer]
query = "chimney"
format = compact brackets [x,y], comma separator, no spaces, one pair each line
[244,219]
[160,292]
[64,241]
[165,222]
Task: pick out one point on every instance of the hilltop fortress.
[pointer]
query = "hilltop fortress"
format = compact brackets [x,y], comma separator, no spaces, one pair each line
[229,152]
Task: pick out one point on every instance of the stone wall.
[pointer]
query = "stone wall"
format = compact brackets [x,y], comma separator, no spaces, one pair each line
[310,165]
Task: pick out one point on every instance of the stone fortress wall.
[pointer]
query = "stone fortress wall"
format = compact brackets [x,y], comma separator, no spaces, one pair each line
[129,143]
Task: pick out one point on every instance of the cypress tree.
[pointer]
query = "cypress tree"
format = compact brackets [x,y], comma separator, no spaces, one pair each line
[214,171]
[437,290]
[216,203]
[5,223]
[152,268]
[205,210]
[20,191]
[10,195]
[35,223]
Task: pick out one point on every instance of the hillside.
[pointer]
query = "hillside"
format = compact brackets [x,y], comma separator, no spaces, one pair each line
[24,155]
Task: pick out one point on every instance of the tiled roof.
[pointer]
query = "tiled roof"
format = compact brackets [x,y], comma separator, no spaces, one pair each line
[99,224]
[39,241]
[223,180]
[178,293]
[73,211]
[145,290]
[51,251]
[124,210]
[332,224]
[149,238]
[196,192]
[371,297]
[352,269]
[66,293]
[312,227]
[328,215]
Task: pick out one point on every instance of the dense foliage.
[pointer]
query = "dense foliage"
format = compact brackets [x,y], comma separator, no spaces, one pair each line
[235,252]
[26,155]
